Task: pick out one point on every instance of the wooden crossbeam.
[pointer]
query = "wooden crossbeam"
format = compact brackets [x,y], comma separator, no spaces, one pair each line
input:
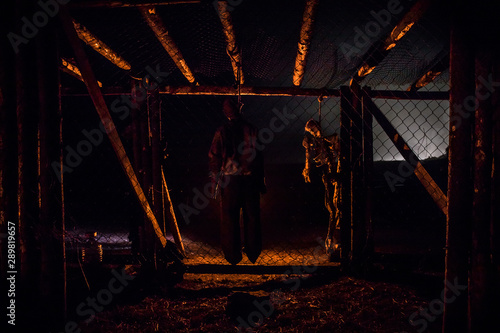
[425,178]
[128,3]
[306,33]
[107,121]
[99,46]
[431,74]
[381,49]
[232,47]
[156,24]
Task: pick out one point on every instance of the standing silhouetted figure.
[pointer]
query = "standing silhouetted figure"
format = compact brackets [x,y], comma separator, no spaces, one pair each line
[237,172]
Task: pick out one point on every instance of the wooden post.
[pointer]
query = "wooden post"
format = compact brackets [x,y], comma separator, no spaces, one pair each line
[8,139]
[137,225]
[357,191]
[156,156]
[51,235]
[495,183]
[345,174]
[459,170]
[368,173]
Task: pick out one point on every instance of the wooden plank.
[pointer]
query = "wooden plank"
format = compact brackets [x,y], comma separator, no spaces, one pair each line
[381,49]
[156,24]
[248,91]
[368,173]
[306,34]
[127,3]
[232,49]
[174,226]
[458,234]
[102,110]
[345,172]
[425,178]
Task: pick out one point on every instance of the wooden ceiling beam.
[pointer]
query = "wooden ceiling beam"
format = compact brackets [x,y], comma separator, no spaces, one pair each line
[306,34]
[99,46]
[381,49]
[127,3]
[432,74]
[161,32]
[232,49]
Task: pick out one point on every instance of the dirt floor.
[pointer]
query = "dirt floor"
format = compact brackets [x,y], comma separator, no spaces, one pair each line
[286,302]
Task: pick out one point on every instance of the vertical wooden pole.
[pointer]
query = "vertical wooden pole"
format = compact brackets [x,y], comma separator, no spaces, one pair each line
[368,172]
[481,269]
[460,188]
[357,193]
[345,176]
[495,193]
[51,227]
[147,241]
[137,224]
[8,139]
[28,172]
[156,155]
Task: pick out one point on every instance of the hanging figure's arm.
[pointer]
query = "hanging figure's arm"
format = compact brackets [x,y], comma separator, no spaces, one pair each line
[307,145]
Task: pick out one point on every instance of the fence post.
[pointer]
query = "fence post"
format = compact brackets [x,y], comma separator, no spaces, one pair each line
[458,237]
[52,228]
[345,176]
[357,191]
[368,172]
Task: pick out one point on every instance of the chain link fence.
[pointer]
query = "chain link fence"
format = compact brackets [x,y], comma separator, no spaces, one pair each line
[102,212]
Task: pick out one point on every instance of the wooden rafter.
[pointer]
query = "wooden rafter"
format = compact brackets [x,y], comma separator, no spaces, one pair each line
[431,75]
[99,46]
[127,3]
[156,24]
[232,47]
[70,68]
[306,33]
[381,49]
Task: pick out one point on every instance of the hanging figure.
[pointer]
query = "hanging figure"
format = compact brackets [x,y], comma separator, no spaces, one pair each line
[323,152]
[237,172]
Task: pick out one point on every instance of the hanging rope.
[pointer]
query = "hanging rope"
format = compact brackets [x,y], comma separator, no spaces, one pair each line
[320,99]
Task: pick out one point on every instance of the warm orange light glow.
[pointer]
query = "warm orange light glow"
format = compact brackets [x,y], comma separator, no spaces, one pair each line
[232,48]
[99,46]
[427,78]
[365,70]
[71,69]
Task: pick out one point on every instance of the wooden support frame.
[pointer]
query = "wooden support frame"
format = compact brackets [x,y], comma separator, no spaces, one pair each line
[107,121]
[306,34]
[425,178]
[156,24]
[174,226]
[368,173]
[381,49]
[71,69]
[100,47]
[232,49]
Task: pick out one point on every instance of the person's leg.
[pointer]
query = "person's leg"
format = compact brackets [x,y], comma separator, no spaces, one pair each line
[230,217]
[251,219]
